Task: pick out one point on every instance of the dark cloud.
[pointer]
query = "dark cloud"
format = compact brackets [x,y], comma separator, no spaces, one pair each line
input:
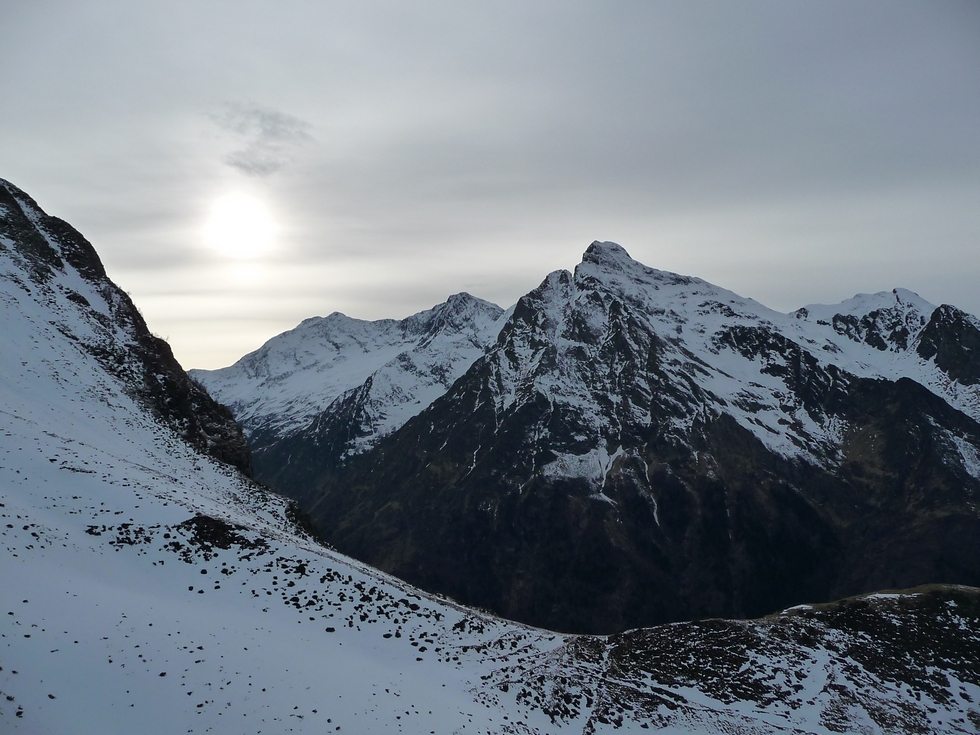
[268,137]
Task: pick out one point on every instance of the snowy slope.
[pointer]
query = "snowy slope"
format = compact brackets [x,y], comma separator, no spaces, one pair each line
[284,385]
[55,265]
[716,351]
[112,608]
[148,587]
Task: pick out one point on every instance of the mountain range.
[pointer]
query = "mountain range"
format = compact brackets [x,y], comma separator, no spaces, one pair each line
[627,446]
[149,585]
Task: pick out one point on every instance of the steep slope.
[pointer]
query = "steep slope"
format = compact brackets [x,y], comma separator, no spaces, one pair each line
[148,587]
[58,271]
[642,447]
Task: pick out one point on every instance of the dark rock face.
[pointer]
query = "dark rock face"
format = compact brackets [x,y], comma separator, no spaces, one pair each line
[735,531]
[50,251]
[327,439]
[640,447]
[953,339]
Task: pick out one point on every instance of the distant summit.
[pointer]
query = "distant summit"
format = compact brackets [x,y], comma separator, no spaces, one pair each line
[363,379]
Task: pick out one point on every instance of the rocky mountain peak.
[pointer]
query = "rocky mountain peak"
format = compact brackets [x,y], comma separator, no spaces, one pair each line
[606,253]
[461,312]
[463,300]
[887,320]
[47,242]
[608,262]
[607,267]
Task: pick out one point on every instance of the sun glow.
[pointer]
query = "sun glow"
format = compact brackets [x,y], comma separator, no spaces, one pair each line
[240,226]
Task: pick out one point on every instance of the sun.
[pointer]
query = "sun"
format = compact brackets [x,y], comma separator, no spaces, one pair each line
[240,226]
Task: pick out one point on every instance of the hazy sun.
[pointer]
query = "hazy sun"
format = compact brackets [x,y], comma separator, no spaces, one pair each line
[240,226]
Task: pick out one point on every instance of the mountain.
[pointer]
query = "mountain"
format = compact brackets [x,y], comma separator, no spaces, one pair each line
[354,380]
[639,447]
[150,586]
[65,288]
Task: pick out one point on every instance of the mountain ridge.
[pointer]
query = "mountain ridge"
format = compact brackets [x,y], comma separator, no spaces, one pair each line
[101,319]
[296,376]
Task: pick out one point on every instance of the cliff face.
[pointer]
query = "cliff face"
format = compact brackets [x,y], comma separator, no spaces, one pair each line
[54,263]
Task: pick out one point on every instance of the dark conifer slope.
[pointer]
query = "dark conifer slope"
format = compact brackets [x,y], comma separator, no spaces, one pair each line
[640,447]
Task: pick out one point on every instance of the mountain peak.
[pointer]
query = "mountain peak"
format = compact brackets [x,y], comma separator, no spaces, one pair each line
[606,253]
[862,304]
[285,384]
[460,298]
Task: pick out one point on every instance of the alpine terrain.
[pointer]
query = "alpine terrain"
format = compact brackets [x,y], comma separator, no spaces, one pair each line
[628,446]
[147,585]
[356,379]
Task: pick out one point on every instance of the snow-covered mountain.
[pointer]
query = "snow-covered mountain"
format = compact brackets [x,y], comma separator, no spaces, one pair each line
[394,369]
[149,586]
[639,446]
[606,342]
[389,369]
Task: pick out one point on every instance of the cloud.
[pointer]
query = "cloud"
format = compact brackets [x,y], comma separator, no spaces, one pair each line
[267,137]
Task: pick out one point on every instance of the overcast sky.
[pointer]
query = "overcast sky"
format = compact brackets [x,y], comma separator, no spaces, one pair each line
[794,152]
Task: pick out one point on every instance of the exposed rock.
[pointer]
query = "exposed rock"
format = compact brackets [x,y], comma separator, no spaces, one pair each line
[952,337]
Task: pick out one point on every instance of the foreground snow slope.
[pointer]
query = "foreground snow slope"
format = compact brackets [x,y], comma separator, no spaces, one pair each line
[149,588]
[118,618]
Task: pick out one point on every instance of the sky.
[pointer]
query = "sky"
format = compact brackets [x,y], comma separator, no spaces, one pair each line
[241,165]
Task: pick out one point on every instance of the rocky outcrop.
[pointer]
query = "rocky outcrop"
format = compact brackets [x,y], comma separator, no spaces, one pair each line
[952,339]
